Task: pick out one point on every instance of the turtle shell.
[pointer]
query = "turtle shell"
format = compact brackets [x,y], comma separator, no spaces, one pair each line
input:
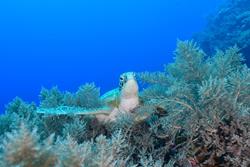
[112,98]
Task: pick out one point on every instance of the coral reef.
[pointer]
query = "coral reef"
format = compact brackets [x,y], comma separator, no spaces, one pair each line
[194,113]
[229,26]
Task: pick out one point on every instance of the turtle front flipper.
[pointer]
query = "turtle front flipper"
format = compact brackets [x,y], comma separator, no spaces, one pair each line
[65,110]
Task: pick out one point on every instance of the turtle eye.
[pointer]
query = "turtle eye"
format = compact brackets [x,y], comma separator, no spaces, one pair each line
[121,82]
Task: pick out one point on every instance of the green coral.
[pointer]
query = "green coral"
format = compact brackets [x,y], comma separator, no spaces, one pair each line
[51,98]
[87,96]
[189,63]
[76,129]
[19,111]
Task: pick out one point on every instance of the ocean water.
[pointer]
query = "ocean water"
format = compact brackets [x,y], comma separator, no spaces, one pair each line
[69,42]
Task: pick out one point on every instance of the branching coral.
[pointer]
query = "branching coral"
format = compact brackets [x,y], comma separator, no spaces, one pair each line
[202,91]
[76,129]
[189,63]
[71,154]
[225,143]
[19,111]
[51,98]
[87,96]
[22,148]
[194,113]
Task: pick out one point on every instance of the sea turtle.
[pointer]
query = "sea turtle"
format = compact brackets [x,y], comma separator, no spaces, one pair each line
[120,100]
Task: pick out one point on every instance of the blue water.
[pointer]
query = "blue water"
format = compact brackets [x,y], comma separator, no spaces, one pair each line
[70,42]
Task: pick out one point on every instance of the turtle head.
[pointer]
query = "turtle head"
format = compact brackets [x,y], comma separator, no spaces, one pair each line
[125,77]
[128,85]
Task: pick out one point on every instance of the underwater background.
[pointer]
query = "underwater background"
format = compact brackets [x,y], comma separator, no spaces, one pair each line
[44,43]
[180,69]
